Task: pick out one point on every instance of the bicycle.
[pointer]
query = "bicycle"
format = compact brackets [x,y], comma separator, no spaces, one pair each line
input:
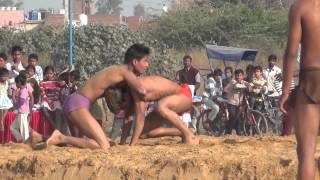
[267,105]
[253,121]
[273,114]
[218,125]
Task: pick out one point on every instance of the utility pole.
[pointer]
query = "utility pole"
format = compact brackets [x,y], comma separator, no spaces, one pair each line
[70,42]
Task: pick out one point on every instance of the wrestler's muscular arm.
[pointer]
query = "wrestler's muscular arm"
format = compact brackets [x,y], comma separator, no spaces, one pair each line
[291,53]
[140,107]
[134,83]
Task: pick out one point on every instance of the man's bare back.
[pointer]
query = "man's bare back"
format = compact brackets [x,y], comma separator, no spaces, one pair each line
[309,12]
[157,87]
[173,99]
[95,87]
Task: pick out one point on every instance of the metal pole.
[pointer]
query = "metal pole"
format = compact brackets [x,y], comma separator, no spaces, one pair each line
[70,54]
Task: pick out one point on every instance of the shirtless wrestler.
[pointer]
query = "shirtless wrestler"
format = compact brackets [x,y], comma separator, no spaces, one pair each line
[304,21]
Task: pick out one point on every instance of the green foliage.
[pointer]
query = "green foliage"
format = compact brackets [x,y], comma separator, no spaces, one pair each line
[95,47]
[109,7]
[6,3]
[224,24]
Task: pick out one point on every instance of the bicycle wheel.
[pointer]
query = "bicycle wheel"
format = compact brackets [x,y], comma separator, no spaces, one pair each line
[200,119]
[218,125]
[277,127]
[254,123]
[275,117]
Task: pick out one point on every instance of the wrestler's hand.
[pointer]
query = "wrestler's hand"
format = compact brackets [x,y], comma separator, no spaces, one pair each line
[282,101]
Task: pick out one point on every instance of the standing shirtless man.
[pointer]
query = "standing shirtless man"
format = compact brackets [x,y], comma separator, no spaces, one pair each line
[305,28]
[77,106]
[173,100]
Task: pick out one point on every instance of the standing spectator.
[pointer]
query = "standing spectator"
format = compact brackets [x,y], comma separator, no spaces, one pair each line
[3,60]
[189,75]
[259,87]
[5,102]
[16,65]
[235,92]
[23,91]
[228,72]
[30,72]
[249,73]
[33,60]
[74,80]
[270,72]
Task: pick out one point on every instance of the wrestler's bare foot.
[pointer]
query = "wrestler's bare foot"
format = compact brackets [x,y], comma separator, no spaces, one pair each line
[55,139]
[193,140]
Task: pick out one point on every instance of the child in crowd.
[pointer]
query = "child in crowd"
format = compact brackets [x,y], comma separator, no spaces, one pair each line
[65,86]
[50,103]
[3,60]
[74,80]
[235,93]
[33,60]
[30,71]
[249,73]
[259,87]
[5,102]
[23,97]
[70,82]
[228,72]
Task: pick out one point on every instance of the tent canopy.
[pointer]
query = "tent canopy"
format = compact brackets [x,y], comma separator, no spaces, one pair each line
[231,53]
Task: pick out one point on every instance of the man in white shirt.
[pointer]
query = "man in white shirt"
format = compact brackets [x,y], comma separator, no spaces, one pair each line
[213,89]
[16,65]
[271,71]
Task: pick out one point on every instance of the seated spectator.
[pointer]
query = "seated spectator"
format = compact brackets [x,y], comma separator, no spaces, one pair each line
[33,60]
[50,100]
[213,88]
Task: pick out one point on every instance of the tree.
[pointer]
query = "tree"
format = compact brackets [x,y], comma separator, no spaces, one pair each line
[229,25]
[139,10]
[109,7]
[6,3]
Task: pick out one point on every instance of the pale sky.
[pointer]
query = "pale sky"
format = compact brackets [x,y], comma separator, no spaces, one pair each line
[127,5]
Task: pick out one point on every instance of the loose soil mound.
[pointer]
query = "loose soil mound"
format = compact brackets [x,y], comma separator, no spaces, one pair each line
[228,157]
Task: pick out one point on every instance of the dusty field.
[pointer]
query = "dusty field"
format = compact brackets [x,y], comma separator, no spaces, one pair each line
[216,158]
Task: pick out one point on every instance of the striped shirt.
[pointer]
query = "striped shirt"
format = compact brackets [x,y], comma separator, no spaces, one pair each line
[50,93]
[278,85]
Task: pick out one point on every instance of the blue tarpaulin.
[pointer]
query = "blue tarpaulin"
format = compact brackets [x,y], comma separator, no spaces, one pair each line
[231,53]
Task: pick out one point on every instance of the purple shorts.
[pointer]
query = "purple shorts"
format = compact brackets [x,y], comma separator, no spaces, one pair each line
[76,101]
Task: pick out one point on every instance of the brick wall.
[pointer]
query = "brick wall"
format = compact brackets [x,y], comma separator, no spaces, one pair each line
[54,20]
[14,16]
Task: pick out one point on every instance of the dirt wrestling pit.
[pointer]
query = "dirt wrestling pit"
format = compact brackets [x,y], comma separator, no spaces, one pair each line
[229,157]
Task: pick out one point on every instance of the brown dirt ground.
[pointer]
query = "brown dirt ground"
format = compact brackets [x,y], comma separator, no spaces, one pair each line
[227,157]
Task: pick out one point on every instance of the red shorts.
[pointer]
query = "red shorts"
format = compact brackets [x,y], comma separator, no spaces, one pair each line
[185,90]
